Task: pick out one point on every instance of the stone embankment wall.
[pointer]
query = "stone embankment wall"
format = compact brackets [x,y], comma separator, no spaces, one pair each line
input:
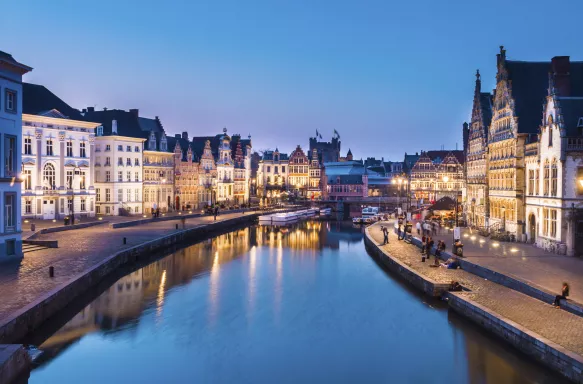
[554,356]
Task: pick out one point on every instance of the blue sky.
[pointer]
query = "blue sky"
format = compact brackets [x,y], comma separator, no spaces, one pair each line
[389,76]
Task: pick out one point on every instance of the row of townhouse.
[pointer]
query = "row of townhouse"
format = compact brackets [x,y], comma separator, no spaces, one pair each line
[110,162]
[525,153]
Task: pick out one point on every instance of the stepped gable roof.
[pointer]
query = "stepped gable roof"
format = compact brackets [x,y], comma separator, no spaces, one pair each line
[199,142]
[409,161]
[530,82]
[439,156]
[571,112]
[37,100]
[184,144]
[244,143]
[127,122]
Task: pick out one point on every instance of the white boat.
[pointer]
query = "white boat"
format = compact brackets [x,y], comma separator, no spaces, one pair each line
[370,211]
[357,220]
[279,218]
[325,211]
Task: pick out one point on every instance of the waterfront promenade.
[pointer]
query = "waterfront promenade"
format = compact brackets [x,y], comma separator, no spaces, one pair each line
[525,262]
[547,324]
[22,282]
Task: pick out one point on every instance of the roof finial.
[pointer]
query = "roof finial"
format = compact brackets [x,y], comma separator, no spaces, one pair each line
[478,74]
[225,130]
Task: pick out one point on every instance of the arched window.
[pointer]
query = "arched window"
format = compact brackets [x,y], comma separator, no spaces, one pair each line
[550,126]
[546,178]
[554,176]
[49,176]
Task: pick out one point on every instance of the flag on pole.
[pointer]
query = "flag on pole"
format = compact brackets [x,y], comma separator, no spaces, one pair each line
[336,133]
[317,134]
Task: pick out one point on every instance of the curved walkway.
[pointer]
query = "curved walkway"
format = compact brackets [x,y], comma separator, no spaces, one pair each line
[558,326]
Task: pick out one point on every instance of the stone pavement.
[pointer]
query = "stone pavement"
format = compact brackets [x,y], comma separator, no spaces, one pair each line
[556,325]
[24,281]
[525,262]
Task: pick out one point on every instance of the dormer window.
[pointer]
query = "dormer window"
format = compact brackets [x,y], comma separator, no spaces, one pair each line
[163,144]
[100,131]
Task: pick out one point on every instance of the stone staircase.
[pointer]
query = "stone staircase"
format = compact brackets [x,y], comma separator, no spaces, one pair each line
[27,248]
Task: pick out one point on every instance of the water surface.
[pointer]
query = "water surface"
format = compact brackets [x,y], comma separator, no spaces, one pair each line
[304,304]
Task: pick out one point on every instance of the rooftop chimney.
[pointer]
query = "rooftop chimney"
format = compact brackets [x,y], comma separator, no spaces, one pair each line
[177,136]
[114,127]
[135,112]
[90,109]
[185,135]
[561,68]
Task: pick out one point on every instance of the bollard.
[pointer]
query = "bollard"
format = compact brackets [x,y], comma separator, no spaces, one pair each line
[125,240]
[51,271]
[33,227]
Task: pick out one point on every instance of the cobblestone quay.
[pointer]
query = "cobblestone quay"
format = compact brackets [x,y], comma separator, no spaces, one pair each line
[552,337]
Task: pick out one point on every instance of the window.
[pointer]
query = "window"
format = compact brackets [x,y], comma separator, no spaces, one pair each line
[107,176]
[49,176]
[83,207]
[107,210]
[268,169]
[10,101]
[137,209]
[28,206]
[98,210]
[550,136]
[137,163]
[107,194]
[9,155]
[82,152]
[120,161]
[98,194]
[120,195]
[128,162]
[137,195]
[120,148]
[100,131]
[147,196]
[129,194]
[70,205]
[49,147]
[553,223]
[9,212]
[83,180]
[108,148]
[283,168]
[27,178]
[69,148]
[136,149]
[137,178]
[547,178]
[554,181]
[545,221]
[537,182]
[531,182]
[28,145]
[69,179]
[579,181]
[129,176]
[107,161]
[119,176]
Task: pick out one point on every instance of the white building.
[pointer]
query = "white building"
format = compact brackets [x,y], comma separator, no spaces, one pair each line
[11,72]
[57,166]
[554,166]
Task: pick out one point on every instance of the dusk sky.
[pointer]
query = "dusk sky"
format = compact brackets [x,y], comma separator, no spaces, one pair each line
[390,77]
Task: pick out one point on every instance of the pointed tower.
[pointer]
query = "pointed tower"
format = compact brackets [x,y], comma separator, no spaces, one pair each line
[239,155]
[349,155]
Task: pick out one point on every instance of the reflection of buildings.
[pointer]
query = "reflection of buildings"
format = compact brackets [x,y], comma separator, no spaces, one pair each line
[123,303]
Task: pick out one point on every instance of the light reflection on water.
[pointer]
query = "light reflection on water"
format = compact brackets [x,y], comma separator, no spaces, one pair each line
[264,305]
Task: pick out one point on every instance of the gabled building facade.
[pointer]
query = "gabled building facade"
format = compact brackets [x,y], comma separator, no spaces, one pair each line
[189,182]
[476,206]
[436,174]
[315,182]
[299,172]
[272,176]
[158,172]
[554,165]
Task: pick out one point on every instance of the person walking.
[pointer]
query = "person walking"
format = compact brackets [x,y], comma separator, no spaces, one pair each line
[430,243]
[216,212]
[385,235]
[418,226]
[399,232]
[563,296]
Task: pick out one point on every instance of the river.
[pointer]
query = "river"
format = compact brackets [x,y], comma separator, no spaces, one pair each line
[304,304]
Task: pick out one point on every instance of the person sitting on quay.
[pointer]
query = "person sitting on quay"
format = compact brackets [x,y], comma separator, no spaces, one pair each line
[563,296]
[455,286]
[430,244]
[451,263]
